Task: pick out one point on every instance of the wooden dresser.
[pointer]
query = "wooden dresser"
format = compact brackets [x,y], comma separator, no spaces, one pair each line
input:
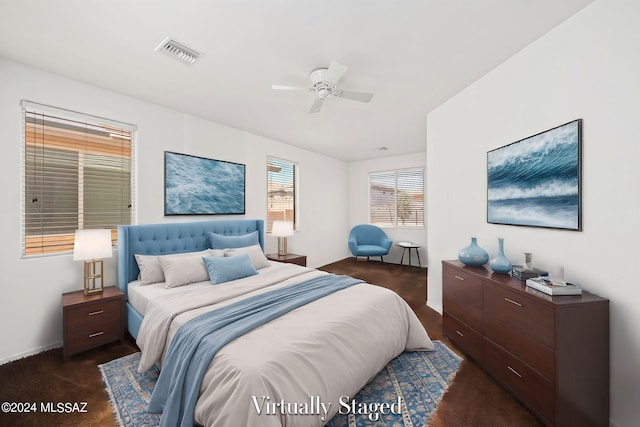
[552,353]
[93,320]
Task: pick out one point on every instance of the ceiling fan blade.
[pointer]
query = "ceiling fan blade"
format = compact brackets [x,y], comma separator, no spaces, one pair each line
[335,72]
[282,87]
[317,105]
[356,96]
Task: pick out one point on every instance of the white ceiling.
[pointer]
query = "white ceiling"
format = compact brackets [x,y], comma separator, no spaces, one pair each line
[412,54]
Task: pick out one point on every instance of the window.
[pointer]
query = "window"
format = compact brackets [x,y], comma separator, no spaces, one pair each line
[396,198]
[78,174]
[282,192]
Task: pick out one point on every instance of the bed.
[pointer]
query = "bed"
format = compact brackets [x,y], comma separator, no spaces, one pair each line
[290,371]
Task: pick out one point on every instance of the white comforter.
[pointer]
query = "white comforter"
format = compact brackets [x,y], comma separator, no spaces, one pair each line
[318,353]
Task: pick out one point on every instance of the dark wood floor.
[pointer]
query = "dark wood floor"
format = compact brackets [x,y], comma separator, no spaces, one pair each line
[472,400]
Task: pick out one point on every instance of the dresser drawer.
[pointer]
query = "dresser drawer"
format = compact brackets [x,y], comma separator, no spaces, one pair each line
[537,355]
[532,389]
[522,313]
[462,296]
[465,338]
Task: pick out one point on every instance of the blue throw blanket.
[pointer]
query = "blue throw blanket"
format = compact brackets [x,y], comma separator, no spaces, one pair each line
[198,340]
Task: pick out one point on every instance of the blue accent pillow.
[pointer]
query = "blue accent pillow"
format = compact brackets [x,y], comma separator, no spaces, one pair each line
[219,241]
[225,269]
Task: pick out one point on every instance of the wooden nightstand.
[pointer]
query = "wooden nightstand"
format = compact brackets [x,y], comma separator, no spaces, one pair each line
[91,321]
[289,258]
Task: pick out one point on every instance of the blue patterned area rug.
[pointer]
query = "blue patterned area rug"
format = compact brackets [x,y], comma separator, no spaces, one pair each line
[404,394]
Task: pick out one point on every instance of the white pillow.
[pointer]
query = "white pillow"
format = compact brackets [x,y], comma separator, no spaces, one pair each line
[151,270]
[182,270]
[255,254]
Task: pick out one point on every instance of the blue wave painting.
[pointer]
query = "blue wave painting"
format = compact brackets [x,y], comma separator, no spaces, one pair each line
[196,186]
[536,181]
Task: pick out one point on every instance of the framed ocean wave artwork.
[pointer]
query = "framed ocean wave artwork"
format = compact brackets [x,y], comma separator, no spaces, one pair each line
[199,186]
[536,181]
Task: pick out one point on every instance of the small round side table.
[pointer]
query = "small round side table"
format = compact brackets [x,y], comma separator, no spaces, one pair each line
[409,245]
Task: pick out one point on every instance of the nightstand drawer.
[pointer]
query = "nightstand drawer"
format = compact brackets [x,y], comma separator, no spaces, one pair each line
[95,312]
[89,336]
[534,390]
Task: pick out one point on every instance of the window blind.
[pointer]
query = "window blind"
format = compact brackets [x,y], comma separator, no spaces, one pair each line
[78,174]
[396,198]
[282,176]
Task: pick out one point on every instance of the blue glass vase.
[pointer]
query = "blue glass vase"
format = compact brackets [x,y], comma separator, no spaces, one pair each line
[500,264]
[473,255]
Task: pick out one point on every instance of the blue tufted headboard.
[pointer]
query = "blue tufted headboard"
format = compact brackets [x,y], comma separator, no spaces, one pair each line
[170,238]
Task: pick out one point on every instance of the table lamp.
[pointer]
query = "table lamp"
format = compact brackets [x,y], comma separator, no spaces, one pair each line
[91,246]
[282,230]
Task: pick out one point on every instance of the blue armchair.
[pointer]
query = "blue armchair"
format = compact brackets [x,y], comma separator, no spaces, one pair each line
[368,240]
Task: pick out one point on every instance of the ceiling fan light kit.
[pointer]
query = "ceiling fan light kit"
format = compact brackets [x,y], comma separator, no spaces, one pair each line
[318,76]
[323,82]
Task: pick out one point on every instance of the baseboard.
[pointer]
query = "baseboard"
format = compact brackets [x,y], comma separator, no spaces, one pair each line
[435,307]
[29,353]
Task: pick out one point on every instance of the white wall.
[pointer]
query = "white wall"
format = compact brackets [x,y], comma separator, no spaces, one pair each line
[358,179]
[30,307]
[586,68]
[323,195]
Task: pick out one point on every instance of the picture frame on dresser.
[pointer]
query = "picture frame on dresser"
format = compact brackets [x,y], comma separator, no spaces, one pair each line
[536,181]
[195,185]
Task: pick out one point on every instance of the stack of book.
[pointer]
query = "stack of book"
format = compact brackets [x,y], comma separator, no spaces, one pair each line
[517,272]
[549,287]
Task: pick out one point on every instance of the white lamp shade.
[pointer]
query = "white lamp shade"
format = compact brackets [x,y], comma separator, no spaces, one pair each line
[282,229]
[92,244]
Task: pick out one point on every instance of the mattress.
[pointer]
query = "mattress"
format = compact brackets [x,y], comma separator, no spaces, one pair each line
[140,295]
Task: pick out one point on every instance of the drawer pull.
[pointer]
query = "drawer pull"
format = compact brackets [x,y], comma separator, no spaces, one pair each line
[458,277]
[93,313]
[460,333]
[97,334]
[513,302]
[514,371]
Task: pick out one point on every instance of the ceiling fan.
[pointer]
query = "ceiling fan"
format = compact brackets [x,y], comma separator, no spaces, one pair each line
[323,83]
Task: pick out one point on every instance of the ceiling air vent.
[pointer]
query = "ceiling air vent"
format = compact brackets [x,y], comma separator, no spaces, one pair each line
[177,50]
